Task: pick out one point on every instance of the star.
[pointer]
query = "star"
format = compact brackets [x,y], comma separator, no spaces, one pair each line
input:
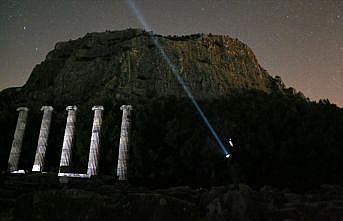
[284,17]
[24,27]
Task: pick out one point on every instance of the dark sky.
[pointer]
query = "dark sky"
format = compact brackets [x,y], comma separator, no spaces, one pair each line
[300,40]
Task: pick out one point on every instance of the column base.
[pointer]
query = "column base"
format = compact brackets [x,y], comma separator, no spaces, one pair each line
[36,168]
[76,175]
[18,172]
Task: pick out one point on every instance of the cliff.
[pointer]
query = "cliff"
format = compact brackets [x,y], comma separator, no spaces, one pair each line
[280,136]
[126,63]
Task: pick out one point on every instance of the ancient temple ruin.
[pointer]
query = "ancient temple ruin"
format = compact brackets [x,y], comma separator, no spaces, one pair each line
[43,139]
[13,161]
[68,139]
[124,143]
[94,150]
[69,134]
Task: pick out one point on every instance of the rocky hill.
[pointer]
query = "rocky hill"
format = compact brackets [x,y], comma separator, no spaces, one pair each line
[127,64]
[282,137]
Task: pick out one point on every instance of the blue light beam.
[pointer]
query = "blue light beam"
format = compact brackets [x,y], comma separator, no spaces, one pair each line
[176,73]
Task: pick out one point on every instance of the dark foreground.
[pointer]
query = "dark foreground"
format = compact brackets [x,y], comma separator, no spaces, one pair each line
[42,197]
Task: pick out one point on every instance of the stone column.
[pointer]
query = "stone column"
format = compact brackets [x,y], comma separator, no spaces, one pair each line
[68,139]
[124,143]
[13,160]
[43,139]
[94,150]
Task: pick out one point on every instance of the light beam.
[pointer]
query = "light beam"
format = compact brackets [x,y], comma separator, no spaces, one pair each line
[176,73]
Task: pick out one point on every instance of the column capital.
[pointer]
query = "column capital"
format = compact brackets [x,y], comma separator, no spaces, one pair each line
[98,108]
[47,108]
[23,109]
[126,107]
[69,108]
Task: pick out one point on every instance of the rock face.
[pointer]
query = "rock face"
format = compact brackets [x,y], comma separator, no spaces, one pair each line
[128,64]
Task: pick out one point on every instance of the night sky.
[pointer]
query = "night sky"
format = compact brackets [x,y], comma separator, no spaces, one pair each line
[299,40]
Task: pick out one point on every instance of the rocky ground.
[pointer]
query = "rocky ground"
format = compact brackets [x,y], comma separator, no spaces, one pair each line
[43,197]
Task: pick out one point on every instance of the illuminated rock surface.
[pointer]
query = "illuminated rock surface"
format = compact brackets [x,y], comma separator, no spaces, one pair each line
[126,63]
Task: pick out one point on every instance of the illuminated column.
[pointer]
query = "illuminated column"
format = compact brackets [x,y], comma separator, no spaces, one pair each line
[94,153]
[13,160]
[68,139]
[124,143]
[43,139]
